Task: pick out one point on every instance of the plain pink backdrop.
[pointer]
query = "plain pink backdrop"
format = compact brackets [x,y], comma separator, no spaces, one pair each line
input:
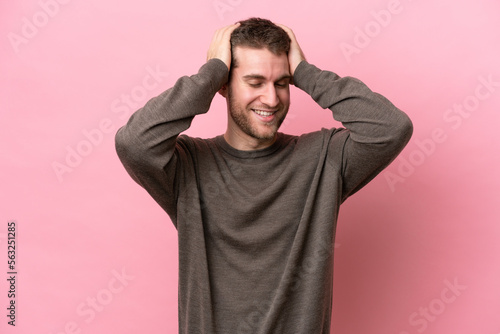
[96,255]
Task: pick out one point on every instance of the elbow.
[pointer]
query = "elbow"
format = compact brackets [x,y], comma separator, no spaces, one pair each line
[406,128]
[123,147]
[402,131]
[120,143]
[126,154]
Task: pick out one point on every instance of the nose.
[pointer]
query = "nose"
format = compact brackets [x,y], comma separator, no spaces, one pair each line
[269,96]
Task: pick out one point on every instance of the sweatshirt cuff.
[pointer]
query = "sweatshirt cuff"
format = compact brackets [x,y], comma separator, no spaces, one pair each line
[305,76]
[217,70]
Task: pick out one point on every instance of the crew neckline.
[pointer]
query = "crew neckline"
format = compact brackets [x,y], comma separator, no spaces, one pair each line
[251,154]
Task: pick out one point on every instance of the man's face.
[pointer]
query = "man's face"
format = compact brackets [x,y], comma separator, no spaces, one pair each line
[258,95]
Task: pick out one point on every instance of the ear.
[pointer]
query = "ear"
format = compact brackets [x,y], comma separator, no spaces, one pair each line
[223,90]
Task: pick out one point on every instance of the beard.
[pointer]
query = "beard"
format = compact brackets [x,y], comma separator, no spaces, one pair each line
[243,118]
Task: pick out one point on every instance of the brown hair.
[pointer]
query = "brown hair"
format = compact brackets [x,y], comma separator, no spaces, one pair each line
[259,33]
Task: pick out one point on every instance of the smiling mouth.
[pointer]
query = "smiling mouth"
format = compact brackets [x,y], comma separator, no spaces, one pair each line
[264,113]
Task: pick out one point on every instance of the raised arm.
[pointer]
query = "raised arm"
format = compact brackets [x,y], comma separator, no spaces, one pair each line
[147,145]
[376,132]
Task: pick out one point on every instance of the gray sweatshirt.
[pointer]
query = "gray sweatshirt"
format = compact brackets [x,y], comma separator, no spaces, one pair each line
[256,228]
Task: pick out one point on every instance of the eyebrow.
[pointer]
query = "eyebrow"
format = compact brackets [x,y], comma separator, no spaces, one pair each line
[261,77]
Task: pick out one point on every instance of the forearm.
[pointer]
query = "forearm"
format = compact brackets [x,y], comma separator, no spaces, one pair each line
[370,117]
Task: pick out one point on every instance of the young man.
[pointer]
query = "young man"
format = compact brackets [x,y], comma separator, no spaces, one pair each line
[255,209]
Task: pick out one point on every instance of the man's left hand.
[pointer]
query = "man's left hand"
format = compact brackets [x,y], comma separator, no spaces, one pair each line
[295,55]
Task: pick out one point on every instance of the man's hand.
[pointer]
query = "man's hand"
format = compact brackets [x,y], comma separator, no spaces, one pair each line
[220,47]
[295,55]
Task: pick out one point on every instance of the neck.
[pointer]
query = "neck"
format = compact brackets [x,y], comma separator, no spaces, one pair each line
[244,142]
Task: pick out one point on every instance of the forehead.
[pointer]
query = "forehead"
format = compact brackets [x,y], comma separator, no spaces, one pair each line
[260,62]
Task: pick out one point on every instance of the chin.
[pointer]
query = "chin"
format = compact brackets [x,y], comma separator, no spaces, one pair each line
[267,134]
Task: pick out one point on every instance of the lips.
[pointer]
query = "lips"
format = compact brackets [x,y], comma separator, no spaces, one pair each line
[264,115]
[264,112]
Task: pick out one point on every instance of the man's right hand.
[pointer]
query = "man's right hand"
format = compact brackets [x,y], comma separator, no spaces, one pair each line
[220,47]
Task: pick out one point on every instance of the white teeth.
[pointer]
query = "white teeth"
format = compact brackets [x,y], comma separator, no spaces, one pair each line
[263,113]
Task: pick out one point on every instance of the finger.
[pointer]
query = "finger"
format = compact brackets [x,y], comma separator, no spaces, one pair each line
[220,47]
[295,55]
[223,35]
[287,30]
[229,30]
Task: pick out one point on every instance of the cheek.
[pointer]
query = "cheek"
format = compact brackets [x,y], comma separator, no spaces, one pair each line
[246,97]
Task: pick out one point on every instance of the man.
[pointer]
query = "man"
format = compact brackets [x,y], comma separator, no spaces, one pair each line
[255,209]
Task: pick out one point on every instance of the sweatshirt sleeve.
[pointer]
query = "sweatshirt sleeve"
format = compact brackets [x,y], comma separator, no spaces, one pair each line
[376,131]
[148,145]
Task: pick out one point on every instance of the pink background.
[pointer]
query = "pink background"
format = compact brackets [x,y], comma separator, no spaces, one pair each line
[430,221]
